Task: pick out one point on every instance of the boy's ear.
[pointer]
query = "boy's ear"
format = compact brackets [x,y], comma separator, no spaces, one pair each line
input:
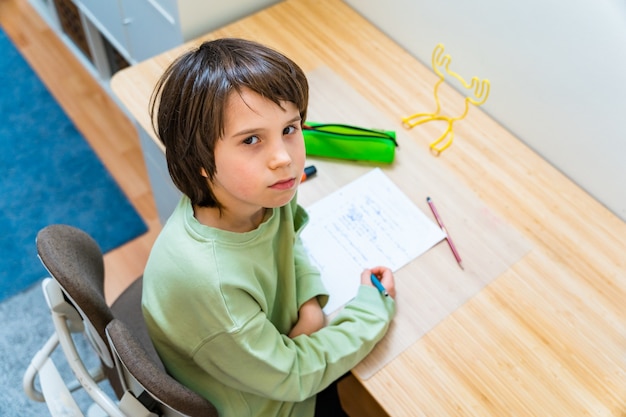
[204,173]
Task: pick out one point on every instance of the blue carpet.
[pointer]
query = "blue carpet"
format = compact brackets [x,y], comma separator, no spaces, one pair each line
[50,175]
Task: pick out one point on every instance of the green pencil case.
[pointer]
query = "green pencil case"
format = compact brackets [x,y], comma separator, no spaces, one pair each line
[342,141]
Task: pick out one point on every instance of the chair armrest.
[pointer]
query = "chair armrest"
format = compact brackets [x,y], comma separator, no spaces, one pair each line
[58,398]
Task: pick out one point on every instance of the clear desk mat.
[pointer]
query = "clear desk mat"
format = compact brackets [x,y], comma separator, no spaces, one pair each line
[432,286]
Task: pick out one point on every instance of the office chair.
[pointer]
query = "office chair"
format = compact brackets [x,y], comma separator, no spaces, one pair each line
[75,296]
[141,374]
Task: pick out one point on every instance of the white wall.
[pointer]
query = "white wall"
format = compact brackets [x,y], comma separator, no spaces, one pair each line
[222,13]
[557,71]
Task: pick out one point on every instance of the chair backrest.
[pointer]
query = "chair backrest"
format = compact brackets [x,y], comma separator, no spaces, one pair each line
[118,333]
[145,378]
[74,260]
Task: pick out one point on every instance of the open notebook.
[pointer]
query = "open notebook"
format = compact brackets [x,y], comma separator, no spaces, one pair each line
[366,223]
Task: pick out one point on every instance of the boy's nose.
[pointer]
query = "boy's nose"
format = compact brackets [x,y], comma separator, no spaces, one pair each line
[280,155]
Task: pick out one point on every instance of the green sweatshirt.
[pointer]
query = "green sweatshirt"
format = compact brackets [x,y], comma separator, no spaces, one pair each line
[219,306]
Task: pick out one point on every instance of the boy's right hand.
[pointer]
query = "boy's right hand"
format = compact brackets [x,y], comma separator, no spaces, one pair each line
[384,275]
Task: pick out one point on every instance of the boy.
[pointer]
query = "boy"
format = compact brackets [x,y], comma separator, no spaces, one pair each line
[232,303]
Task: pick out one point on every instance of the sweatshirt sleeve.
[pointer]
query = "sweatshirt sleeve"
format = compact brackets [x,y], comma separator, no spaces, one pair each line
[309,282]
[287,369]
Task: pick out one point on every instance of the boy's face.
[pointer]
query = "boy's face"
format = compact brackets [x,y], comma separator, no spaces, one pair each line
[260,159]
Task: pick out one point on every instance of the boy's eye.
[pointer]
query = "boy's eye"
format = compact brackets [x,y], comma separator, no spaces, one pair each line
[251,140]
[289,130]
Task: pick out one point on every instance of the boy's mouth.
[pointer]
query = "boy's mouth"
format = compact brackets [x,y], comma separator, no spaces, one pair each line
[284,184]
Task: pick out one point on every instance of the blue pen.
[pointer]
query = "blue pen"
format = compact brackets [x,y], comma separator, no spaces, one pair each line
[378,285]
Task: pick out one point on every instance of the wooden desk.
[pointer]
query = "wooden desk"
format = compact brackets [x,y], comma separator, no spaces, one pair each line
[548,336]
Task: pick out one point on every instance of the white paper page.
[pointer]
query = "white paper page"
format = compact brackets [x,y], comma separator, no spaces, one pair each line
[366,223]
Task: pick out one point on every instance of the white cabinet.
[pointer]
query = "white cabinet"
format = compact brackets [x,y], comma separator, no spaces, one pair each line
[150,29]
[138,29]
[110,34]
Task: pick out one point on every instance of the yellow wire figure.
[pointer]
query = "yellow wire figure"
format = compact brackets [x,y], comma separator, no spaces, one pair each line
[480,91]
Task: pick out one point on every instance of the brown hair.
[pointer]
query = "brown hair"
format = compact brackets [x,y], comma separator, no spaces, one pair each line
[187,105]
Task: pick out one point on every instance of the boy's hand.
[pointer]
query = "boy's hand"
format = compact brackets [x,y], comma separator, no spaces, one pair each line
[310,319]
[384,275]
